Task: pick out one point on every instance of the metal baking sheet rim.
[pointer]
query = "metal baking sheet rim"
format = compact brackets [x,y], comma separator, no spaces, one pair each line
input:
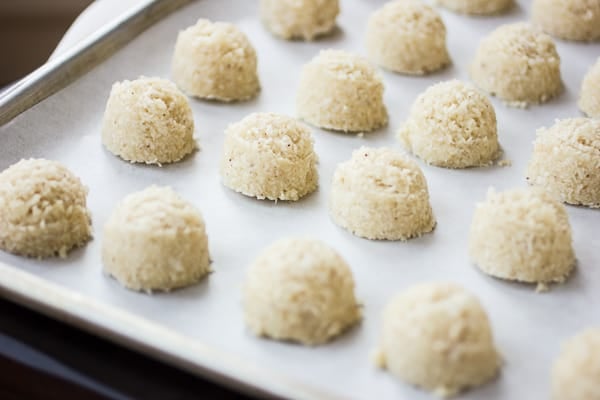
[146,337]
[61,71]
[104,320]
[64,305]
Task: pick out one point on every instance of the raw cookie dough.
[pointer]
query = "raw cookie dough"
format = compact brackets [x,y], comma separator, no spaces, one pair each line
[215,61]
[589,97]
[452,125]
[43,210]
[407,36]
[576,371]
[568,19]
[381,194]
[341,91]
[566,161]
[476,7]
[300,290]
[148,120]
[519,64]
[155,240]
[522,235]
[299,19]
[437,336]
[269,156]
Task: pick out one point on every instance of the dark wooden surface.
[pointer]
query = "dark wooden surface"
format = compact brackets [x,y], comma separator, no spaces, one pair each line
[30,30]
[41,358]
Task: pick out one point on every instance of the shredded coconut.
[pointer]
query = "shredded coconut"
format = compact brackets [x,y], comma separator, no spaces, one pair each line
[452,125]
[418,35]
[576,371]
[566,161]
[43,210]
[589,97]
[437,336]
[155,240]
[299,19]
[522,235]
[568,19]
[148,120]
[381,194]
[300,290]
[476,7]
[215,60]
[269,156]
[341,91]
[519,64]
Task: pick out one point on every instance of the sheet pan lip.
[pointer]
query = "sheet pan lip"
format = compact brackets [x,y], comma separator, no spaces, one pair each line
[95,317]
[84,312]
[59,72]
[148,338]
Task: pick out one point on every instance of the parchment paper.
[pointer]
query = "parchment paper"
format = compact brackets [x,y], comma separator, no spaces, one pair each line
[528,327]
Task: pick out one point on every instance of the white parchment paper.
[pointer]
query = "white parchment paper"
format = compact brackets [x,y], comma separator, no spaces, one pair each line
[528,327]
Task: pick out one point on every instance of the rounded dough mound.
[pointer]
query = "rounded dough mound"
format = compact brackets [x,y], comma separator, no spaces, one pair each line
[522,235]
[341,91]
[437,336]
[589,98]
[519,64]
[148,120]
[568,19]
[215,61]
[300,290]
[269,156]
[566,161]
[576,371]
[381,194]
[155,240]
[43,210]
[299,19]
[476,7]
[452,125]
[407,36]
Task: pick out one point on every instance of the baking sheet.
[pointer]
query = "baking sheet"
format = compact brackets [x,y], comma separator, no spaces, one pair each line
[528,327]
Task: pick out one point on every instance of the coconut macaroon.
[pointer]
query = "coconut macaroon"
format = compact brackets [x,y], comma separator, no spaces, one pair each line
[148,120]
[476,7]
[437,336]
[300,290]
[269,156]
[519,64]
[522,235]
[381,194]
[589,97]
[155,240]
[453,125]
[568,19]
[43,210]
[566,161]
[342,92]
[215,61]
[407,36]
[299,19]
[576,371]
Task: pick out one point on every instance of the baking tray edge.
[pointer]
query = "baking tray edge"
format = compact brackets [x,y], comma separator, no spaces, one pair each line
[59,72]
[94,317]
[141,335]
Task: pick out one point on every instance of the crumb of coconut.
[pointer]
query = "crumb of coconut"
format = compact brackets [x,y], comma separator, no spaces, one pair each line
[360,134]
[505,163]
[377,358]
[542,287]
[517,104]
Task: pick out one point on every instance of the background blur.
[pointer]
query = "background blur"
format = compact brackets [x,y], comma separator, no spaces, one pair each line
[29,32]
